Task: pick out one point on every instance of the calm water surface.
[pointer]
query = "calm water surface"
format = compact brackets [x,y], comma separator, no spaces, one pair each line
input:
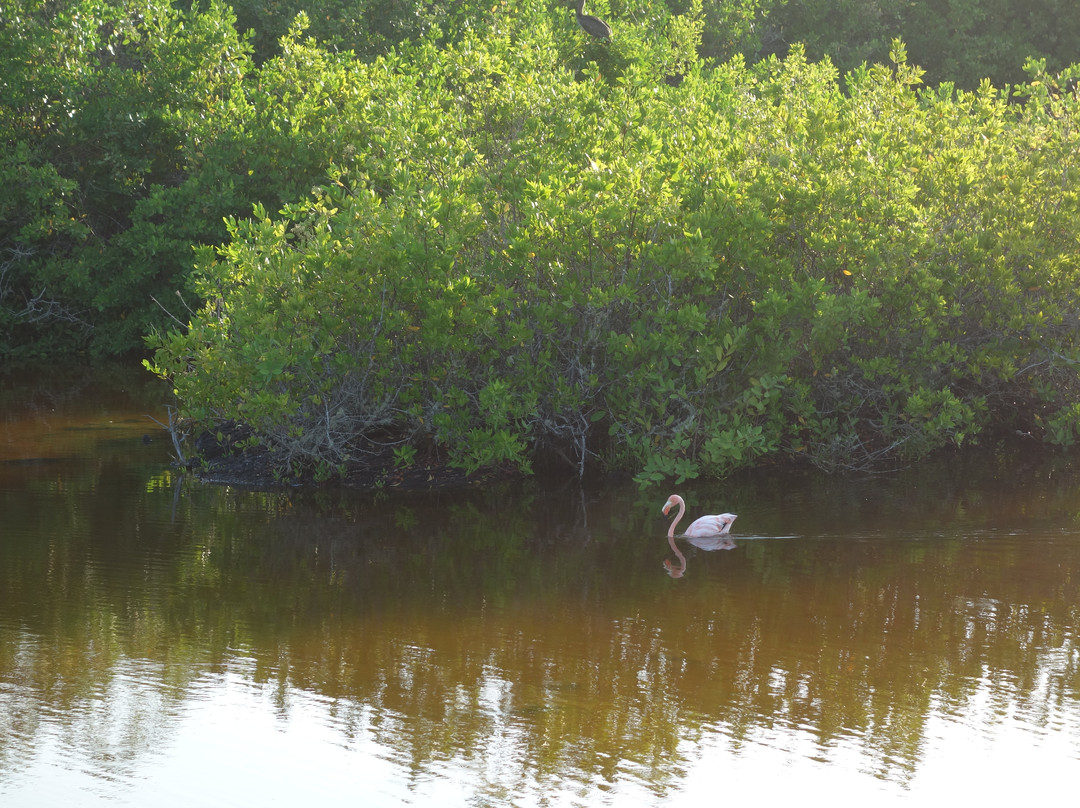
[164,642]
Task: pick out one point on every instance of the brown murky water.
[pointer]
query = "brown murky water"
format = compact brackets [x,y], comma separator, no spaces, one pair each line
[171,643]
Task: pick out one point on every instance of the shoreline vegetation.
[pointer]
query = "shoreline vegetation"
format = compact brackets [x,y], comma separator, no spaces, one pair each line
[503,244]
[218,458]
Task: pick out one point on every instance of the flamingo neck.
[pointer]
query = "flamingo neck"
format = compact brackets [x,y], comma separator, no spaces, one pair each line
[675,521]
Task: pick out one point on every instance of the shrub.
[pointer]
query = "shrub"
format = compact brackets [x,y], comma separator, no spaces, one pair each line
[513,258]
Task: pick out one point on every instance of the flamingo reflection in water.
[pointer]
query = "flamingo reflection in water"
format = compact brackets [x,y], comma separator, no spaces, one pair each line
[706,533]
[675,570]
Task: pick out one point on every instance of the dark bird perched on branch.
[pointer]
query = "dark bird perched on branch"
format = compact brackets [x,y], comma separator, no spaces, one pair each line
[592,25]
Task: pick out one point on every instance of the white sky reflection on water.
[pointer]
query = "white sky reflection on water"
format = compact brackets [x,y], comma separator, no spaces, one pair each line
[960,765]
[236,743]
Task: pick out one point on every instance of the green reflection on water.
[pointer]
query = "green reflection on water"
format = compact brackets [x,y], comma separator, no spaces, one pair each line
[852,612]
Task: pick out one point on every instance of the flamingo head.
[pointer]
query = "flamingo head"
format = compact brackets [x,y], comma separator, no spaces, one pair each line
[673,500]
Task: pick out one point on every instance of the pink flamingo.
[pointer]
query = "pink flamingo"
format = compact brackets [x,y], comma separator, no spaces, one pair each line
[716,525]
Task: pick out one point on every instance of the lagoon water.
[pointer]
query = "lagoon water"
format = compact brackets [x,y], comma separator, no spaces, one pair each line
[167,642]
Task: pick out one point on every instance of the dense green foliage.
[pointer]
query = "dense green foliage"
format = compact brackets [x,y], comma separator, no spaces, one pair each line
[370,28]
[677,280]
[104,194]
[130,130]
[960,41]
[519,239]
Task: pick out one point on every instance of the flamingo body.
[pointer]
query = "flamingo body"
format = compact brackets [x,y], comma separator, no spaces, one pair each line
[706,526]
